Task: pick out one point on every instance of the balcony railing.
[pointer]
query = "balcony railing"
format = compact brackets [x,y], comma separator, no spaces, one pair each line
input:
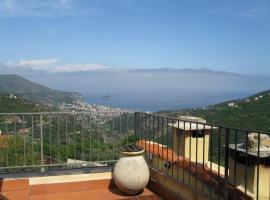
[212,161]
[33,141]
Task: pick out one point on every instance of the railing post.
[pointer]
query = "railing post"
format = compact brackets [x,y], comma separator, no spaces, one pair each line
[227,138]
[135,124]
[41,144]
[258,167]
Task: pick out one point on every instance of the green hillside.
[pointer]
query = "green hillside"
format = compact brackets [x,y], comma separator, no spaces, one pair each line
[18,104]
[35,92]
[249,113]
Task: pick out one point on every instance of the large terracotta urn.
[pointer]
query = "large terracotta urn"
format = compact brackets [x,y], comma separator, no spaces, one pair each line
[131,172]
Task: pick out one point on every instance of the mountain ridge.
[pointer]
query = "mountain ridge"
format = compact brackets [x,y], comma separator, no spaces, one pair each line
[11,83]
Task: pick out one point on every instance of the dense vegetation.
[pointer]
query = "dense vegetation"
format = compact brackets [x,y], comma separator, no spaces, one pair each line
[18,104]
[64,137]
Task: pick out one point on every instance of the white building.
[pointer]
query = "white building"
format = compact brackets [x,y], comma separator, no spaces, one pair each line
[231,104]
[12,96]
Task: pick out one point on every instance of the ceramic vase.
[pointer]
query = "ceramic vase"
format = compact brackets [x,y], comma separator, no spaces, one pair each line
[131,173]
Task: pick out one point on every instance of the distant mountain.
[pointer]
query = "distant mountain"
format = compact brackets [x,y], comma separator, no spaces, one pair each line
[152,89]
[184,70]
[148,81]
[249,113]
[35,92]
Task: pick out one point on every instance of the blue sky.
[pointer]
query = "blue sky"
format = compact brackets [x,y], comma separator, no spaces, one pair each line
[70,35]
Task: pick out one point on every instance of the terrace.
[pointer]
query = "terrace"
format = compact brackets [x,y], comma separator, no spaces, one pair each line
[71,155]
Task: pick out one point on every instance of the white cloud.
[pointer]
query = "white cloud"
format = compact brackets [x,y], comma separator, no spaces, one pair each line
[52,65]
[77,67]
[260,12]
[255,10]
[39,8]
[38,64]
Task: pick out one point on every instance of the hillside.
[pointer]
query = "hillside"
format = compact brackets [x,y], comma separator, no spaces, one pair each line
[249,113]
[34,92]
[16,104]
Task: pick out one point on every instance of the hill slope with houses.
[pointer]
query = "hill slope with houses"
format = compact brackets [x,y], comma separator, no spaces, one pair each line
[249,113]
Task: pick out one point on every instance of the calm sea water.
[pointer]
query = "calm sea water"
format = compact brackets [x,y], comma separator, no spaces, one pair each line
[156,102]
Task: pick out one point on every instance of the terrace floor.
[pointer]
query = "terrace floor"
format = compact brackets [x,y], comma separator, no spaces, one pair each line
[71,186]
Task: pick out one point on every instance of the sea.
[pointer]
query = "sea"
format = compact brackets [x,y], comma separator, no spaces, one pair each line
[157,102]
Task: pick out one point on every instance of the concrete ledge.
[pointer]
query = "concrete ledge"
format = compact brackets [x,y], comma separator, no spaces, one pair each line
[69,178]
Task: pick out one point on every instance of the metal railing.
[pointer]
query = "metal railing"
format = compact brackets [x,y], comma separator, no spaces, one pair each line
[214,161]
[211,160]
[34,141]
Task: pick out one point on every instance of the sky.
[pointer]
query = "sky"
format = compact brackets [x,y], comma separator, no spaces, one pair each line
[82,35]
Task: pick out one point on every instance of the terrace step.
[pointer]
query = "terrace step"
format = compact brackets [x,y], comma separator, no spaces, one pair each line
[97,186]
[99,194]
[95,189]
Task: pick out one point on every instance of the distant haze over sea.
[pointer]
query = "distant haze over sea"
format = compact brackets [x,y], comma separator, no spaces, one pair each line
[152,89]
